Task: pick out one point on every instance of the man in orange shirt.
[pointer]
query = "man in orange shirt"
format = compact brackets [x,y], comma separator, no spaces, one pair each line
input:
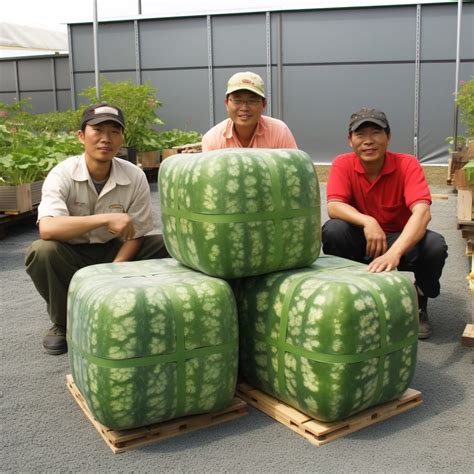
[246,127]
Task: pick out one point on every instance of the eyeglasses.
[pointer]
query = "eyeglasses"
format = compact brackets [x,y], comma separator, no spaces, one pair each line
[249,102]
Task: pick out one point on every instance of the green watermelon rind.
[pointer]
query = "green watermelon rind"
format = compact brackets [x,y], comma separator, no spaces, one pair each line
[233,213]
[179,359]
[348,339]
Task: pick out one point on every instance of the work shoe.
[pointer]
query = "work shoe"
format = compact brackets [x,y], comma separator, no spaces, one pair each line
[55,340]
[424,326]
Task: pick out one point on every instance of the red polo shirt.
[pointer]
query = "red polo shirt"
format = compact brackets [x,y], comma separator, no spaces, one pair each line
[400,184]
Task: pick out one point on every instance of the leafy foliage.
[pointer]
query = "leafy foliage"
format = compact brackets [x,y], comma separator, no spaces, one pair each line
[31,144]
[26,156]
[176,137]
[465,101]
[138,103]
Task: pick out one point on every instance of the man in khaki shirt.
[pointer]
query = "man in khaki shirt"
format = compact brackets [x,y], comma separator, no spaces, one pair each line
[95,208]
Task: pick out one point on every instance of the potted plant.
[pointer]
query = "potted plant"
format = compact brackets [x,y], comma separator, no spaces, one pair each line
[172,141]
[464,150]
[25,159]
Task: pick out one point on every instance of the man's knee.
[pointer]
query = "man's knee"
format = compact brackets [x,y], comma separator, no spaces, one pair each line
[41,251]
[333,229]
[435,247]
[153,246]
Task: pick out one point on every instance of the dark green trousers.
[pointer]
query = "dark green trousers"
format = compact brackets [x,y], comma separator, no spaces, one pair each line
[51,265]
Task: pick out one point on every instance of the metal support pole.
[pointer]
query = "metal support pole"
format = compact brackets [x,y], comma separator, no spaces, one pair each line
[456,85]
[268,28]
[210,71]
[417,81]
[96,53]
[53,78]
[138,72]
[71,68]
[280,67]
[17,79]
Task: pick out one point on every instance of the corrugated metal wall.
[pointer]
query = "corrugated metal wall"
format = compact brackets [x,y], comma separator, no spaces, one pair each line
[45,79]
[321,64]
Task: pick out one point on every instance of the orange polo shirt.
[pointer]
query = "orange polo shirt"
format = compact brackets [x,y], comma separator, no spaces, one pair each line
[269,133]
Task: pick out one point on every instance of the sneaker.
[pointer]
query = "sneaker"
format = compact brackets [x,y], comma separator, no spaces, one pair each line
[55,340]
[424,326]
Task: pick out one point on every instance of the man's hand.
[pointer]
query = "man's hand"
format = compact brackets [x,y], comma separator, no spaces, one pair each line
[376,238]
[121,225]
[385,263]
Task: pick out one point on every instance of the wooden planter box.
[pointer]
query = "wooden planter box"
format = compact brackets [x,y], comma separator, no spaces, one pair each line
[148,159]
[189,148]
[166,152]
[20,198]
[465,204]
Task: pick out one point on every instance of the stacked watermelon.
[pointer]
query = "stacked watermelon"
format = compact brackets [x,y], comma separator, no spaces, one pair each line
[330,340]
[154,340]
[236,212]
[151,341]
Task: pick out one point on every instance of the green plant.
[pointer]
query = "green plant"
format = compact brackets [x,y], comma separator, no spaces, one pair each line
[14,115]
[26,156]
[176,137]
[150,341]
[330,340]
[465,102]
[138,103]
[10,112]
[461,141]
[245,211]
[54,122]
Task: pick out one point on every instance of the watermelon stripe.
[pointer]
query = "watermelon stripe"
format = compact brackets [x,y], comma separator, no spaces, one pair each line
[285,312]
[179,234]
[231,218]
[383,342]
[180,351]
[284,322]
[155,359]
[278,210]
[338,358]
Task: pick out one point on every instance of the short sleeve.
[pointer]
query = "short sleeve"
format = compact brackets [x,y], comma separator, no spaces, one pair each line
[339,182]
[416,186]
[54,196]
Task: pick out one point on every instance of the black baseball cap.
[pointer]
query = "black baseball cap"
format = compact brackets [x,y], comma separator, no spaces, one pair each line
[367,115]
[99,113]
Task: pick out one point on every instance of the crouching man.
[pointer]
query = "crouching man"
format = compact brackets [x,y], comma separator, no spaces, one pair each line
[95,208]
[379,209]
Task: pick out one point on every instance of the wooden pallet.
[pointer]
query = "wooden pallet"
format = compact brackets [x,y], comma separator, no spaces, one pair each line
[318,432]
[467,338]
[466,228]
[120,441]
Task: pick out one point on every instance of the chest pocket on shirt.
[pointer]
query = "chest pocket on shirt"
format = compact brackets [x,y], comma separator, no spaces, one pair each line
[116,208]
[79,208]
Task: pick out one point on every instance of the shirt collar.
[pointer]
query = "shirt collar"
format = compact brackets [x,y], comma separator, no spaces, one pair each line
[260,130]
[387,168]
[117,173]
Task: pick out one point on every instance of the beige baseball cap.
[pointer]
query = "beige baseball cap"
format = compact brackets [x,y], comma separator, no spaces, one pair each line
[248,81]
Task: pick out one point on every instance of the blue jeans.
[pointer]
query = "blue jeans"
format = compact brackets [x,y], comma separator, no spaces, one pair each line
[426,259]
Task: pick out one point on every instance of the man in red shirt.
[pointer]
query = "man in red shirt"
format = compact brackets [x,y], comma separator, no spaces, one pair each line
[379,209]
[246,126]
